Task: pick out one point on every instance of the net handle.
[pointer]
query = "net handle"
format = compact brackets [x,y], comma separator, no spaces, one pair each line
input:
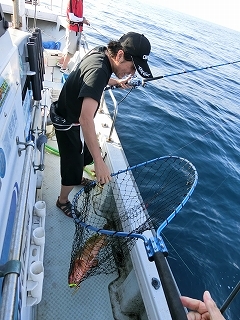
[169,287]
[230,298]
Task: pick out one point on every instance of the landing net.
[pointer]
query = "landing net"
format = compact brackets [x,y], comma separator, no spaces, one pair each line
[137,199]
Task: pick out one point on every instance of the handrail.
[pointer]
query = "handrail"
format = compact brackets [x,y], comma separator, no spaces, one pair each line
[62,6]
[49,6]
[42,138]
[11,280]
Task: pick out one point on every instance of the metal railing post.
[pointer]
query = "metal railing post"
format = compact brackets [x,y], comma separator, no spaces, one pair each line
[115,113]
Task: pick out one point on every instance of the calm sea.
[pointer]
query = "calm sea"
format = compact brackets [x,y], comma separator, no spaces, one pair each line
[194,115]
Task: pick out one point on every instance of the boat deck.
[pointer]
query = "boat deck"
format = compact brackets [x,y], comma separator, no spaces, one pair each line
[91,301]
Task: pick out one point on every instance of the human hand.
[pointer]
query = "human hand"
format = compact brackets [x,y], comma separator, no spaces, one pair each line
[86,21]
[206,310]
[123,83]
[102,172]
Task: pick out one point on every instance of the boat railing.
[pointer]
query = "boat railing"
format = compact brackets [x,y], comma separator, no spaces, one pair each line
[50,5]
[115,109]
[42,137]
[133,82]
[115,106]
[15,278]
[33,2]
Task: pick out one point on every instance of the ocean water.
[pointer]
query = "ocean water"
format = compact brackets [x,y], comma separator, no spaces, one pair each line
[195,115]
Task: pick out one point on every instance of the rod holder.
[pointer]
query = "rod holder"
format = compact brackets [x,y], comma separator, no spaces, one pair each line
[35,283]
[40,208]
[38,236]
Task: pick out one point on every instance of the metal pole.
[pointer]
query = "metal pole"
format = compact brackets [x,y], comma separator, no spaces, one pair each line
[115,114]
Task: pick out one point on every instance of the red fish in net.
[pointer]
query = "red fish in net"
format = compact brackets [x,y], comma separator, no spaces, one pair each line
[86,259]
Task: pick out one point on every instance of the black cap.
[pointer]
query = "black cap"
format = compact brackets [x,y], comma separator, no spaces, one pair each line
[138,46]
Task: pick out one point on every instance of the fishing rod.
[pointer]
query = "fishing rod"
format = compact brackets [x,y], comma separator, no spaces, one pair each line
[230,298]
[136,82]
[188,71]
[98,32]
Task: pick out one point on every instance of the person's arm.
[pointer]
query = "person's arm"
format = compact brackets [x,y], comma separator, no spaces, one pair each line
[74,18]
[86,121]
[206,310]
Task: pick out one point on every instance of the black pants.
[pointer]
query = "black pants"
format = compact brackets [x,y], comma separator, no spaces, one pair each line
[72,159]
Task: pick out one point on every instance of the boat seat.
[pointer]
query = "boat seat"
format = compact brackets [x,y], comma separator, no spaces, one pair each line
[61,22]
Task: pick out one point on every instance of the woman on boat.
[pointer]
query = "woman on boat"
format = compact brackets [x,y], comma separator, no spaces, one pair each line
[78,103]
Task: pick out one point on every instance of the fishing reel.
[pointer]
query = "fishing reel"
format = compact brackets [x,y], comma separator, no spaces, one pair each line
[135,82]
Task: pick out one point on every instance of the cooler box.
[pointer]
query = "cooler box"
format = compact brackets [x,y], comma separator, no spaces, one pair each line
[51,57]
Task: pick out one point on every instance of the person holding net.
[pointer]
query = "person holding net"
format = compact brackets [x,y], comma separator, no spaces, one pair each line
[78,103]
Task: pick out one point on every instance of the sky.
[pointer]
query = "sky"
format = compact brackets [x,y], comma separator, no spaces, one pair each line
[222,12]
